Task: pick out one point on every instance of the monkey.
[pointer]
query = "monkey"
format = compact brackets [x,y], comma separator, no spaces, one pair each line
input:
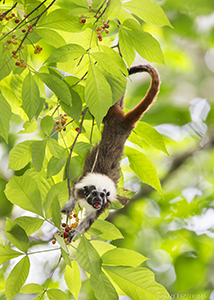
[96,188]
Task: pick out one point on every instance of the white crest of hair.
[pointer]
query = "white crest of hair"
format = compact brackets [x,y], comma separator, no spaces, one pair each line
[101,182]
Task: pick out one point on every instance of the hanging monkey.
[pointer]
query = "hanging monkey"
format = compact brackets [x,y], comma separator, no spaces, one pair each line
[96,188]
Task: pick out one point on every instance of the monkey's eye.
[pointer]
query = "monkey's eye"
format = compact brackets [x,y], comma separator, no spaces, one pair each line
[94,194]
[108,194]
[102,195]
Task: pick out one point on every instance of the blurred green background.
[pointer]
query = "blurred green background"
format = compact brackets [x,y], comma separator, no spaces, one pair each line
[176,232]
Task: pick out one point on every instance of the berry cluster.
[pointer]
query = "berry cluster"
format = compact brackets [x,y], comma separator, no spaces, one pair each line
[18,41]
[38,49]
[60,124]
[7,18]
[101,29]
[66,228]
[83,19]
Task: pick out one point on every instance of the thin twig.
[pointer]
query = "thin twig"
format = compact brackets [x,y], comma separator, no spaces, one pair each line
[72,147]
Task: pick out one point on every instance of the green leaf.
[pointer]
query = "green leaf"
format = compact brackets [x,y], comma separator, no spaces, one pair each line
[58,87]
[75,109]
[40,297]
[150,12]
[113,10]
[19,155]
[61,19]
[43,183]
[66,257]
[56,164]
[88,258]
[143,168]
[29,224]
[47,124]
[138,283]
[16,235]
[107,63]
[5,118]
[17,278]
[59,190]
[32,288]
[73,278]
[123,257]
[66,53]
[56,294]
[109,231]
[55,149]
[29,127]
[118,86]
[116,57]
[102,247]
[51,37]
[146,46]
[38,154]
[23,191]
[151,136]
[56,215]
[61,242]
[6,253]
[103,288]
[126,47]
[30,96]
[98,93]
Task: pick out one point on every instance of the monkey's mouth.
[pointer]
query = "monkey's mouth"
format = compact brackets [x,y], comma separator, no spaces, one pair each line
[97,205]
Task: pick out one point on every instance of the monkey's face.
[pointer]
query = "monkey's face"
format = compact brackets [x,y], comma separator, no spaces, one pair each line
[94,197]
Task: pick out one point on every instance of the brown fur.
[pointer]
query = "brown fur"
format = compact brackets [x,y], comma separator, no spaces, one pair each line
[117,128]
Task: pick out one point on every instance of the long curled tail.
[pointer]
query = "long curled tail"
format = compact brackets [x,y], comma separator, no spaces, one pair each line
[136,113]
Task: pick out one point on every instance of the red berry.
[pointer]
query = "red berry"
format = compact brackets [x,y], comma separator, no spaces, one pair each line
[65,234]
[63,224]
[16,20]
[53,242]
[65,115]
[59,233]
[57,122]
[9,41]
[74,215]
[99,28]
[57,127]
[13,36]
[13,15]
[106,31]
[99,36]
[83,20]
[14,52]
[106,25]
[67,229]
[17,63]
[64,129]
[77,129]
[24,30]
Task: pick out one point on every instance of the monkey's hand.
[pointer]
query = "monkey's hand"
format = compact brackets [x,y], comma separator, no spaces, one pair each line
[83,226]
[69,206]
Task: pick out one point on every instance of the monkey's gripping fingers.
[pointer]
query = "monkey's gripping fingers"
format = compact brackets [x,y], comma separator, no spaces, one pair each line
[68,206]
[72,235]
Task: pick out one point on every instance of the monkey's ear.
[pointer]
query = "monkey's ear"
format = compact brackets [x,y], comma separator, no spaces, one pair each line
[122,200]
